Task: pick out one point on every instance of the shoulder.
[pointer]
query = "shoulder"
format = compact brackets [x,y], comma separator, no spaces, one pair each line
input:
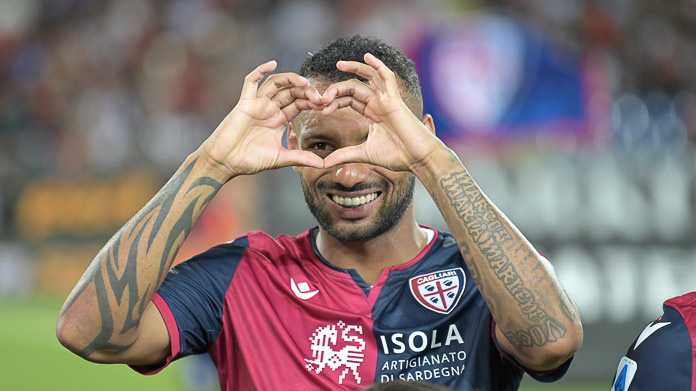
[271,247]
[662,355]
[256,241]
[445,248]
[676,327]
[254,247]
[685,304]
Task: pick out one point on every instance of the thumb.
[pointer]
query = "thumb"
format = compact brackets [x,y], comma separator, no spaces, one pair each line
[352,154]
[296,157]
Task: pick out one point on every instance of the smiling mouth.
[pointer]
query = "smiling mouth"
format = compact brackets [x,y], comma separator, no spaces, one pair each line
[354,202]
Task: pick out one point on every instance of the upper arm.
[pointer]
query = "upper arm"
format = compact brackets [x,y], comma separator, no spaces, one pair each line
[151,346]
[183,318]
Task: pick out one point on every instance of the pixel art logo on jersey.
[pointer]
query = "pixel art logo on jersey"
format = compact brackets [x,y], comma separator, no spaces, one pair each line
[328,351]
[439,291]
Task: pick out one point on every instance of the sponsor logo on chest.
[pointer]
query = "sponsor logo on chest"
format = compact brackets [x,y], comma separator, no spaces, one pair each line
[439,291]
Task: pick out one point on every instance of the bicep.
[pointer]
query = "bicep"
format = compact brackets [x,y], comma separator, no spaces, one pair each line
[151,346]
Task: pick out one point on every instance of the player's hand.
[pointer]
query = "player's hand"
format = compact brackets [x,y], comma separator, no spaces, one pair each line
[249,139]
[397,139]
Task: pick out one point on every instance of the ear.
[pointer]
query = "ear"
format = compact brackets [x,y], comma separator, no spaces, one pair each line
[292,142]
[429,123]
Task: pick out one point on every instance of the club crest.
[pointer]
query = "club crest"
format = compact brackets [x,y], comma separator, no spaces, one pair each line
[439,291]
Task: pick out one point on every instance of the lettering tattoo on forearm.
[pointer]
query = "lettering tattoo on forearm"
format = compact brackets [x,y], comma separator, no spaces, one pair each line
[489,233]
[137,237]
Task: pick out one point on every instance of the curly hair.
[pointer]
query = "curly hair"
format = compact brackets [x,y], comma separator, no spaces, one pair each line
[322,64]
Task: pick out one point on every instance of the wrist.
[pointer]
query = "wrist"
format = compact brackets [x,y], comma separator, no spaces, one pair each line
[211,167]
[437,162]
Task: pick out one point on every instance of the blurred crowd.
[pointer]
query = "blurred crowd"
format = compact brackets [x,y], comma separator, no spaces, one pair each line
[96,88]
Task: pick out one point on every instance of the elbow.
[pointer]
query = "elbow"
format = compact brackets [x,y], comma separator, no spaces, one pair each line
[556,353]
[73,334]
[68,335]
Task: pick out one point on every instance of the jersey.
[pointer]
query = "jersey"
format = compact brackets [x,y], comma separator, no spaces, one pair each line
[662,357]
[275,315]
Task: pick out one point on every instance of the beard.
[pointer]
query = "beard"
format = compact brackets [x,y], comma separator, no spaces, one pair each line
[391,212]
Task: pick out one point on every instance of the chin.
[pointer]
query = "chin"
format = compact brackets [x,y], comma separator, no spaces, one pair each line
[355,232]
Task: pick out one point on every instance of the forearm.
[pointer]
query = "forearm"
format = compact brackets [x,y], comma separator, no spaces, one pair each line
[104,309]
[530,307]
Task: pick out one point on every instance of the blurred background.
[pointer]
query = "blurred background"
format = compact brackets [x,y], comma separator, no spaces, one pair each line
[577,117]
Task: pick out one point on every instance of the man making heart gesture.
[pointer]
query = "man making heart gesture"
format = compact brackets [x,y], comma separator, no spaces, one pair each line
[367,296]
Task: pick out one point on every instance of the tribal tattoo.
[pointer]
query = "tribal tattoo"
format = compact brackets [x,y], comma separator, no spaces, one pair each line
[113,276]
[490,234]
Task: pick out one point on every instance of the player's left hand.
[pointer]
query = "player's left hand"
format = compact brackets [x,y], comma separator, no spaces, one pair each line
[397,139]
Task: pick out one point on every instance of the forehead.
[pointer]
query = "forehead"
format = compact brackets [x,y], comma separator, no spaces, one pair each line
[344,122]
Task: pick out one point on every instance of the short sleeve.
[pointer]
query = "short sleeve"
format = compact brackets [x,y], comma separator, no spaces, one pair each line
[191,300]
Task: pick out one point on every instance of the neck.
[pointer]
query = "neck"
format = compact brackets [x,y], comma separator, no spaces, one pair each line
[399,245]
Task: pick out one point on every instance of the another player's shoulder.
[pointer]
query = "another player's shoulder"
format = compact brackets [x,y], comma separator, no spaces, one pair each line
[685,304]
[662,356]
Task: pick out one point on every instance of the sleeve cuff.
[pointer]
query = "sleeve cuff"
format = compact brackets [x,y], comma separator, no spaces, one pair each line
[173,330]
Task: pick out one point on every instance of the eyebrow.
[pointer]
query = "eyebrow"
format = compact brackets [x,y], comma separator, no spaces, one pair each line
[314,135]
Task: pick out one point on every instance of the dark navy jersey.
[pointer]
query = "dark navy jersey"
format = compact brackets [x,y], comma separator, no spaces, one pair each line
[274,315]
[662,357]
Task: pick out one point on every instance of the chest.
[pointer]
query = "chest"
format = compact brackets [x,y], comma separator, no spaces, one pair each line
[329,325]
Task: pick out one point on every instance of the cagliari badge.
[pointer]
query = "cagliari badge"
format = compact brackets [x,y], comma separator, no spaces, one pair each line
[439,291]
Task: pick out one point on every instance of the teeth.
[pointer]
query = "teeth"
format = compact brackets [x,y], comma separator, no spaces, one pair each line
[355,201]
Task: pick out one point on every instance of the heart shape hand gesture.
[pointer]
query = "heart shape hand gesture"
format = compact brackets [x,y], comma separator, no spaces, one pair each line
[249,139]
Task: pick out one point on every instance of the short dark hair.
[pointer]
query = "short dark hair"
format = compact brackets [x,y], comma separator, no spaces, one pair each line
[322,64]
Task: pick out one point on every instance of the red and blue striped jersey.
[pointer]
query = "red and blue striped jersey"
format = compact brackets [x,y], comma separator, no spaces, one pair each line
[274,315]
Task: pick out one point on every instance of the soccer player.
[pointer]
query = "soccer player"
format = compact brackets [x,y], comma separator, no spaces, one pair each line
[368,295]
[662,357]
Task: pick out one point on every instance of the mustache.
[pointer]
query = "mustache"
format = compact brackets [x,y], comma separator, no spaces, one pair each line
[361,186]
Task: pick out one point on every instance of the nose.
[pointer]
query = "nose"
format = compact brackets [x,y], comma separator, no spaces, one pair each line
[351,174]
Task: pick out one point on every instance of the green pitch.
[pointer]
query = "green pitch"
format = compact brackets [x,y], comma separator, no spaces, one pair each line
[32,359]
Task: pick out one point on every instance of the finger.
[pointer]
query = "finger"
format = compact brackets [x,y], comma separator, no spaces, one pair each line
[297,157]
[352,154]
[297,106]
[353,87]
[286,95]
[251,81]
[386,74]
[345,101]
[363,70]
[279,81]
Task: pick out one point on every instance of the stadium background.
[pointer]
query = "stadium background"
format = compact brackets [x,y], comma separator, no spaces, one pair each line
[576,116]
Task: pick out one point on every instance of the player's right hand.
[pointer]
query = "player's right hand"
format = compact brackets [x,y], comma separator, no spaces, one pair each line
[249,139]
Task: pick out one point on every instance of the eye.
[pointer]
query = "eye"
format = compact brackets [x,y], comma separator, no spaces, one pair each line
[321,148]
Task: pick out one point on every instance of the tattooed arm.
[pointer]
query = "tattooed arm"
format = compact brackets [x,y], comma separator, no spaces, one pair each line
[536,321]
[109,317]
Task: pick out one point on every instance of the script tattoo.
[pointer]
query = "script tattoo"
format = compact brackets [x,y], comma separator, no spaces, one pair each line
[490,235]
[113,276]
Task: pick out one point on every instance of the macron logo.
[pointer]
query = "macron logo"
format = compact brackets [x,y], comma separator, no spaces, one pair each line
[651,328]
[302,290]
